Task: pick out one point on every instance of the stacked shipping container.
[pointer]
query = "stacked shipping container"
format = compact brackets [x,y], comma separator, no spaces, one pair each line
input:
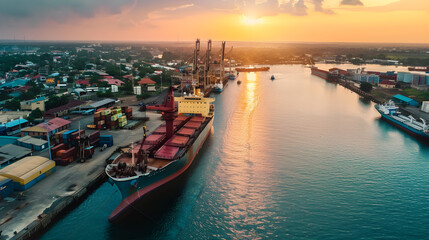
[112,118]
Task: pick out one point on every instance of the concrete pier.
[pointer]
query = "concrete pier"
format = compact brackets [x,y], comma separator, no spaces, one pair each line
[27,214]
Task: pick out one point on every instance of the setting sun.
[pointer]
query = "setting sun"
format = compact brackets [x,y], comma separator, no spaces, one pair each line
[250,20]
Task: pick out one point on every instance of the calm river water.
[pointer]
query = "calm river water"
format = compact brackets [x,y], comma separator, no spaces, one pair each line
[293,158]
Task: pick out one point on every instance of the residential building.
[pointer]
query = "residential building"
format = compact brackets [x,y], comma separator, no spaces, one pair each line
[31,105]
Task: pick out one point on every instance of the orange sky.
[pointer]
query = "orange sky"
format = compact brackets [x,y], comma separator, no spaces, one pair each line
[401,21]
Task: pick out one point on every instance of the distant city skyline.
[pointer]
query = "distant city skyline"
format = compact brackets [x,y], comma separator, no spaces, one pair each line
[383,21]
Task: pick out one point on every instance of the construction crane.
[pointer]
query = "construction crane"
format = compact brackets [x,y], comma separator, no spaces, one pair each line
[195,69]
[207,64]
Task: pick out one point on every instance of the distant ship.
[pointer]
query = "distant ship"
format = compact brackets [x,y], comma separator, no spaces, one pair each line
[420,69]
[218,87]
[272,77]
[148,174]
[389,112]
[253,69]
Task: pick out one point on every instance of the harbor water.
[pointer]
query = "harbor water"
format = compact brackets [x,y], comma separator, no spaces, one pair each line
[290,158]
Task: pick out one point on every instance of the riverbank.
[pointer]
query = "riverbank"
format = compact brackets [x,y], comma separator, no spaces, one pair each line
[380,95]
[27,214]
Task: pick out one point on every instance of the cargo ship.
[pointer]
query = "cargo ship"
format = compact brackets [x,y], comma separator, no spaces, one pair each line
[389,112]
[420,69]
[150,172]
[252,69]
[320,73]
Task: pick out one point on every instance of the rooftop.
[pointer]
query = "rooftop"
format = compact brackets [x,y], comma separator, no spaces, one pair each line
[54,123]
[69,105]
[12,152]
[34,141]
[146,81]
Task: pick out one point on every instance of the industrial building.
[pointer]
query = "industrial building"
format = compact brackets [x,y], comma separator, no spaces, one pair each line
[63,110]
[100,104]
[398,98]
[10,153]
[35,144]
[28,171]
[15,126]
[54,125]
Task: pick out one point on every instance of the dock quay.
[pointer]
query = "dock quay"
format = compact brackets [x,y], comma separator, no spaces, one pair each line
[28,214]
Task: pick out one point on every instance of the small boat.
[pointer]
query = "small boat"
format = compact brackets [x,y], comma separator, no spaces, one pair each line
[239,82]
[272,77]
[218,87]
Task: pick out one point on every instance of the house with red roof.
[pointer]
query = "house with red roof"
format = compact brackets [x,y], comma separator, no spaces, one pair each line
[116,82]
[146,81]
[82,82]
[148,84]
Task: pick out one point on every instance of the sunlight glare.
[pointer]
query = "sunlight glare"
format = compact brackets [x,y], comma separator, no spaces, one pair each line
[251,20]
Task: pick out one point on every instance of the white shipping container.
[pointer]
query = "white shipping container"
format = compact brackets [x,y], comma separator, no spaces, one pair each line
[425,106]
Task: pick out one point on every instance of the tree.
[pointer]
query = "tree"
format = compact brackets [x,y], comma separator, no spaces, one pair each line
[94,79]
[366,87]
[36,113]
[13,105]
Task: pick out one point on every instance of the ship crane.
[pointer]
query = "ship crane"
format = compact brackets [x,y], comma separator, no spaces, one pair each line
[168,112]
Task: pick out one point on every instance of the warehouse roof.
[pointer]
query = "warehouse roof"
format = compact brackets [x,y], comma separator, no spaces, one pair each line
[11,152]
[100,103]
[54,123]
[405,99]
[16,122]
[69,105]
[33,141]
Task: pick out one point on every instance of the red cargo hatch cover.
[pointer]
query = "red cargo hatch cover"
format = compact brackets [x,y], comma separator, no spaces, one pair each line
[186,131]
[182,118]
[177,141]
[166,152]
[197,119]
[192,125]
[154,138]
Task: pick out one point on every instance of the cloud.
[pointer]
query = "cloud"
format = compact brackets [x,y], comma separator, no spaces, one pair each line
[351,2]
[24,13]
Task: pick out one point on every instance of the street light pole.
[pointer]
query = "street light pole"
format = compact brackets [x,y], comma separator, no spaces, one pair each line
[49,142]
